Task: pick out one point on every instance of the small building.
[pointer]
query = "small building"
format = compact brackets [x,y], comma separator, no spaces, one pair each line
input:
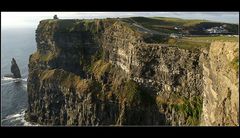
[216,30]
[175,35]
[177,28]
[55,17]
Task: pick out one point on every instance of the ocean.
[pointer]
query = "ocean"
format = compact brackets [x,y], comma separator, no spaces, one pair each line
[20,44]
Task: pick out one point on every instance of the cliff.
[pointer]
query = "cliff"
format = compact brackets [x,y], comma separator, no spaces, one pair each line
[221,85]
[108,72]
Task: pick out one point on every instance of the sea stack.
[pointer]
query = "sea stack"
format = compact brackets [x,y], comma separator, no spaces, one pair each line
[14,69]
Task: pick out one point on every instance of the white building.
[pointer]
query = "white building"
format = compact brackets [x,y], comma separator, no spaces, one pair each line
[216,30]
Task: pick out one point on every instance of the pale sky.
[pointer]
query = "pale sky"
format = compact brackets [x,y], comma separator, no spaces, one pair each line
[31,19]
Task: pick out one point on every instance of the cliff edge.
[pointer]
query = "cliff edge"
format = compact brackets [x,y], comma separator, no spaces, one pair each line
[110,72]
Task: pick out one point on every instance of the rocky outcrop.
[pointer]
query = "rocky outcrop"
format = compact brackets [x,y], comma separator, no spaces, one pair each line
[14,69]
[221,91]
[104,72]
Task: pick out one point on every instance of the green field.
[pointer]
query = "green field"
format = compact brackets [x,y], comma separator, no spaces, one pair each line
[184,26]
[212,38]
[180,22]
[192,43]
[189,45]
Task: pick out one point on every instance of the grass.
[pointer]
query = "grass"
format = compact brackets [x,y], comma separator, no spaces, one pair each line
[172,101]
[72,25]
[42,57]
[190,108]
[178,21]
[131,92]
[212,38]
[153,24]
[167,25]
[135,95]
[235,63]
[92,25]
[192,43]
[100,67]
[67,79]
[155,39]
[189,45]
[46,74]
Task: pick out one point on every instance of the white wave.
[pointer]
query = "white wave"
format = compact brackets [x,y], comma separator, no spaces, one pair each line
[24,79]
[8,78]
[25,123]
[19,117]
[24,85]
[12,80]
[14,116]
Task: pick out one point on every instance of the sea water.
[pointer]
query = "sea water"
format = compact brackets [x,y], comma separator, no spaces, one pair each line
[20,44]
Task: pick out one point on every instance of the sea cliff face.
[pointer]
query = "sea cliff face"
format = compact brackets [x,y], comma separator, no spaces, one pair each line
[104,72]
[221,85]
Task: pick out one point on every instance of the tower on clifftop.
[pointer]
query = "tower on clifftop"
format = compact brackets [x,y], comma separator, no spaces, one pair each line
[55,17]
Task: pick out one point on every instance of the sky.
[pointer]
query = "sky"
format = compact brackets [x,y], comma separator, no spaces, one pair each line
[31,19]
